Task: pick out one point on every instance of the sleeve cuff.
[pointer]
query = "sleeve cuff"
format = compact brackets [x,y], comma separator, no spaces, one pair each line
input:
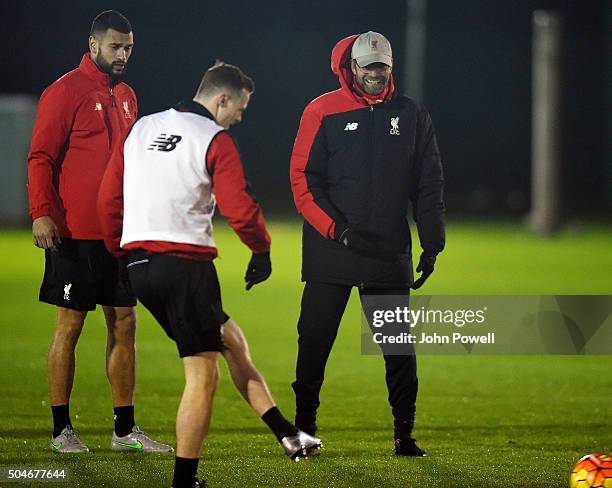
[331,233]
[43,212]
[261,250]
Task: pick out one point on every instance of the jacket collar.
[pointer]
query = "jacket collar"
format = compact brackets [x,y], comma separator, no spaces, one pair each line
[385,96]
[194,107]
[90,69]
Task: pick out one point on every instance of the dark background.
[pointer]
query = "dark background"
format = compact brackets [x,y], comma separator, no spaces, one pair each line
[477,80]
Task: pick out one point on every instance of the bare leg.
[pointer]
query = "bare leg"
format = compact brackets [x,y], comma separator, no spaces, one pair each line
[60,360]
[193,417]
[248,380]
[121,353]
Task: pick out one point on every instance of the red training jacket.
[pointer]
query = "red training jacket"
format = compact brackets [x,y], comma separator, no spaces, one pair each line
[80,118]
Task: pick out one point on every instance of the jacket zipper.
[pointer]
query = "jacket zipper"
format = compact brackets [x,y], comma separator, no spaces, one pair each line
[371,153]
[108,117]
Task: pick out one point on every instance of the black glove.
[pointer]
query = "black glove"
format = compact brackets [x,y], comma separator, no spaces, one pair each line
[426,266]
[356,238]
[258,270]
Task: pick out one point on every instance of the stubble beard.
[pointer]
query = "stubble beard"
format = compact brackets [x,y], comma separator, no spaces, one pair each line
[107,68]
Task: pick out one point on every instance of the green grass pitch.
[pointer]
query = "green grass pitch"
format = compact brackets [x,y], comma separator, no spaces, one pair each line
[511,421]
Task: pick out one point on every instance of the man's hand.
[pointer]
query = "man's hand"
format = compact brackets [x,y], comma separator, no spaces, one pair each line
[356,238]
[259,269]
[45,233]
[426,266]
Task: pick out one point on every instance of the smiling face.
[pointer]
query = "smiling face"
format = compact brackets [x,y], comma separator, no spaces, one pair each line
[110,51]
[373,78]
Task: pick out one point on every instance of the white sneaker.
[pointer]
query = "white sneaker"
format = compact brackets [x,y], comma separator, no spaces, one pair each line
[67,441]
[301,445]
[138,441]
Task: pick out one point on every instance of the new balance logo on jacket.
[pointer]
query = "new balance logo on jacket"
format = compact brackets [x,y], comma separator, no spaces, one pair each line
[351,126]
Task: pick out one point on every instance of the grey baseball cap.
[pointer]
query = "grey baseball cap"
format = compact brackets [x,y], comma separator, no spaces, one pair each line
[372,47]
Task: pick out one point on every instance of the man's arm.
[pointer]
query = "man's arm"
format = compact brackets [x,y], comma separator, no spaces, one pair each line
[50,135]
[426,191]
[231,191]
[238,206]
[308,174]
[110,201]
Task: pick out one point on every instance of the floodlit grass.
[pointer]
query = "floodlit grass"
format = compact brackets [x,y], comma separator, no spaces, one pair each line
[486,421]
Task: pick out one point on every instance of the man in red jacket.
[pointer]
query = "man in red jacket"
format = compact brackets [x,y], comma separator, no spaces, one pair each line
[80,117]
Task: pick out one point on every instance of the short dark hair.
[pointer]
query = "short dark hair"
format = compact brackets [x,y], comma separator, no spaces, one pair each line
[228,76]
[110,19]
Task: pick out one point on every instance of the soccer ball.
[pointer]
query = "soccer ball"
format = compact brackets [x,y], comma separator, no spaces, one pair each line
[592,471]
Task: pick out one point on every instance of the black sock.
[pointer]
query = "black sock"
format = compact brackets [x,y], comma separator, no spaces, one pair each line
[124,420]
[306,422]
[278,424]
[185,471]
[61,418]
[403,428]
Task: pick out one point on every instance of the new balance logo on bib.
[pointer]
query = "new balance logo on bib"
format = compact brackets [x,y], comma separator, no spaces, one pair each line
[165,142]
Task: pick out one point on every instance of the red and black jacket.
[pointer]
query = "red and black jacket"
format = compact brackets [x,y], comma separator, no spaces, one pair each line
[365,164]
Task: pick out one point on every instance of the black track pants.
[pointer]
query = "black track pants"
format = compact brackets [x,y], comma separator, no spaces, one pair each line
[323,305]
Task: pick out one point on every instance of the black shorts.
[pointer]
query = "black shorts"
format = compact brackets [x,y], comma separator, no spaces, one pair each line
[81,274]
[184,297]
